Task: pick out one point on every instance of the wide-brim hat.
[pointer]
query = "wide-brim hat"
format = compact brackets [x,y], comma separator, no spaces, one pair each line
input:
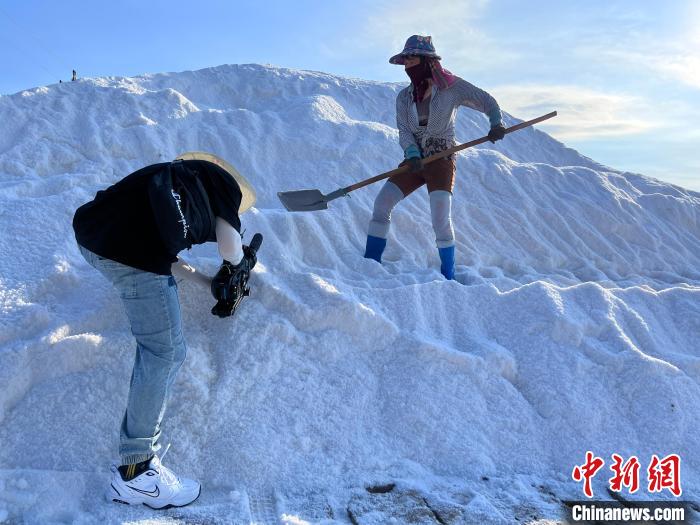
[247,191]
[416,45]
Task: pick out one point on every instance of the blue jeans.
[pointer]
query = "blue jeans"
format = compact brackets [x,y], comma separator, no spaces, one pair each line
[152,306]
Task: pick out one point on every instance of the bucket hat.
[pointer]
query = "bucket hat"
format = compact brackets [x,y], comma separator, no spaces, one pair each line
[416,45]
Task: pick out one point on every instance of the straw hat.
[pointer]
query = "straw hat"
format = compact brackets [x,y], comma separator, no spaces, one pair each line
[247,191]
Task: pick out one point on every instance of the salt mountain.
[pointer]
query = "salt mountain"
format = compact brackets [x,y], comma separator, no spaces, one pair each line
[573,325]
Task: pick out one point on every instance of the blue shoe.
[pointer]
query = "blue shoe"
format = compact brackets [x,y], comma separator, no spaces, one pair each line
[447,256]
[375,248]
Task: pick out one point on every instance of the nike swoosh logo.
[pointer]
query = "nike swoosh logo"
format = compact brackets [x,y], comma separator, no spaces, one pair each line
[152,493]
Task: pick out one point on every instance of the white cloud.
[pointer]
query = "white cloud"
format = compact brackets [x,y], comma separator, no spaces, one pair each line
[679,63]
[685,68]
[671,56]
[585,54]
[582,113]
[445,20]
[453,24]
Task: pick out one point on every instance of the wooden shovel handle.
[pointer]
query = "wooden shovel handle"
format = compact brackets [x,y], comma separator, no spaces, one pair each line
[444,153]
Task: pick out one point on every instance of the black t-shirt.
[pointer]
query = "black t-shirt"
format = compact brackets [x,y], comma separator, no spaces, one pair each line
[119,224]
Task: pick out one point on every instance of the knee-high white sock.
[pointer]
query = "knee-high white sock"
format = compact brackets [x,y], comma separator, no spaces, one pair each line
[388,197]
[441,214]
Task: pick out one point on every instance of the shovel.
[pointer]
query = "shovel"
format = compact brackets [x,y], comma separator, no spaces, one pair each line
[312,200]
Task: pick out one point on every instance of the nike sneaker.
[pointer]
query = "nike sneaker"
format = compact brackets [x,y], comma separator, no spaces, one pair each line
[156,487]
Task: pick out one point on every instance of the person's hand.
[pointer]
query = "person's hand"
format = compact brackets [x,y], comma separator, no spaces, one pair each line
[226,279]
[230,284]
[231,275]
[497,133]
[415,164]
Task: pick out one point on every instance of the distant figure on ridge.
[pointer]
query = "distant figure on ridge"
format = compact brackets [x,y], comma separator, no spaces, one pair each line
[425,116]
[131,233]
[75,76]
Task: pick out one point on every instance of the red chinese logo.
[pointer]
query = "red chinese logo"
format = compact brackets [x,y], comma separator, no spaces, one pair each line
[587,471]
[665,474]
[626,475]
[662,473]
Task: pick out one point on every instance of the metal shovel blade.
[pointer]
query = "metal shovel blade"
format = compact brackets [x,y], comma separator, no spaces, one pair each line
[303,200]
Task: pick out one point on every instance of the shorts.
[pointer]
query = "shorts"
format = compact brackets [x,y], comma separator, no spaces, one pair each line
[438,175]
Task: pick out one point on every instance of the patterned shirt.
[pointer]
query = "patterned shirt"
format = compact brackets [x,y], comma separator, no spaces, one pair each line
[423,108]
[439,134]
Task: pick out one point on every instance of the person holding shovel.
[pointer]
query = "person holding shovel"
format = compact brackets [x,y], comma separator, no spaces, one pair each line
[425,117]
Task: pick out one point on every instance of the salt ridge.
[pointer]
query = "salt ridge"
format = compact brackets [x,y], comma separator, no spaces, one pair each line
[573,324]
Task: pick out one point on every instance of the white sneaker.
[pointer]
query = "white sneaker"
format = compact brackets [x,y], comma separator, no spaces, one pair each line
[156,487]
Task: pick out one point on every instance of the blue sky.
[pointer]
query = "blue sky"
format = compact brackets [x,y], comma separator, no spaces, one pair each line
[624,75]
